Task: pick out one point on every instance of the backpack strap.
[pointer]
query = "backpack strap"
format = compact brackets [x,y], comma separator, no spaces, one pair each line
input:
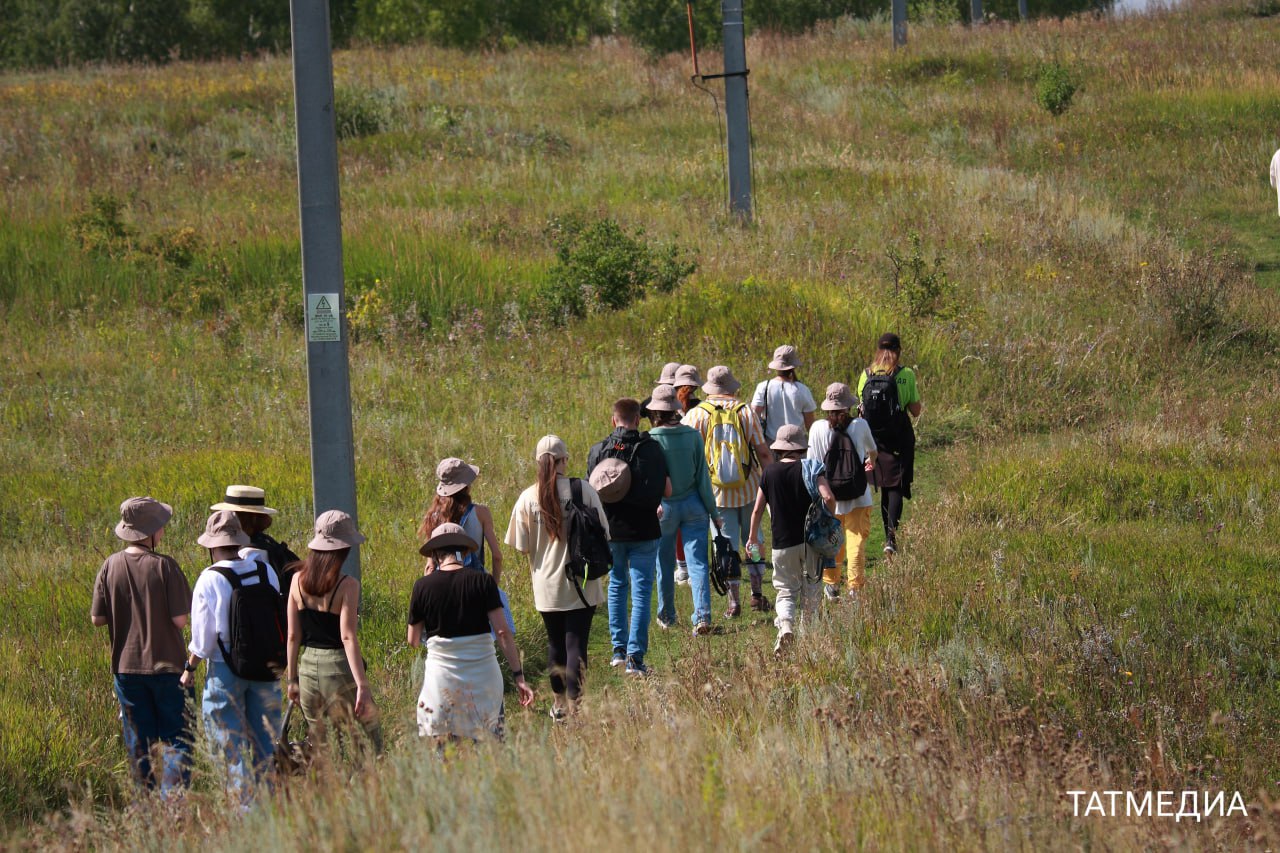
[575,491]
[575,497]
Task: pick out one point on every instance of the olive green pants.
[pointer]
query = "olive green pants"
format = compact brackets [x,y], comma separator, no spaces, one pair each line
[328,701]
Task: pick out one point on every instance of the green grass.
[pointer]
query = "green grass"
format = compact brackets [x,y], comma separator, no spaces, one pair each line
[1085,599]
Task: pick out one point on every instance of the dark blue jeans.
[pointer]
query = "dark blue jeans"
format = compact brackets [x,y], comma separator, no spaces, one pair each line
[153,712]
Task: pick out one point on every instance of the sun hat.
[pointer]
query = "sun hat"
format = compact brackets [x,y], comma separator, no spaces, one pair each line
[785,358]
[454,476]
[668,373]
[687,375]
[664,399]
[142,518]
[890,341]
[838,398]
[551,445]
[790,437]
[720,381]
[245,499]
[335,530]
[448,537]
[223,530]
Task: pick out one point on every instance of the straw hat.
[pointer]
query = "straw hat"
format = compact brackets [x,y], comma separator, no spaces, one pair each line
[551,445]
[785,358]
[664,399]
[790,437]
[454,476]
[245,499]
[223,530]
[142,518]
[668,373]
[838,398]
[720,381]
[687,375]
[448,537]
[335,530]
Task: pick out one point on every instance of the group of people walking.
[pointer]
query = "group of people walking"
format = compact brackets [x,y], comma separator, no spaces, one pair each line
[691,490]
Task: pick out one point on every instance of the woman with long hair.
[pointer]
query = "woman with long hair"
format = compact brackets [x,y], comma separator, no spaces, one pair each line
[538,529]
[890,400]
[326,673]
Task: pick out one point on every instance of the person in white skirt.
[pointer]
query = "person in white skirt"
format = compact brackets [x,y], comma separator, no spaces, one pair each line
[459,613]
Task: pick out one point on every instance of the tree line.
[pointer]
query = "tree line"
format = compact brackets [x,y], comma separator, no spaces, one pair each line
[45,33]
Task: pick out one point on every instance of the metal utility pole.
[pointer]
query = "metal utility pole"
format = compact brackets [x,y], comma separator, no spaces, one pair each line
[975,11]
[333,470]
[1022,9]
[900,22]
[736,110]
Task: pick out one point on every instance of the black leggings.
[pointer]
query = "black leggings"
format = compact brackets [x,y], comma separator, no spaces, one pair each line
[567,634]
[891,514]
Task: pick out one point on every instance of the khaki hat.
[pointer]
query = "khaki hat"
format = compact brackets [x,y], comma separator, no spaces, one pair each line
[664,399]
[790,437]
[245,499]
[142,518]
[668,373]
[687,375]
[454,476]
[335,530]
[448,537]
[785,358]
[551,445]
[223,530]
[838,398]
[720,381]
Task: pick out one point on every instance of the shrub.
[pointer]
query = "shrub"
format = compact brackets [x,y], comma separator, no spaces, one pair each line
[364,112]
[1055,87]
[922,288]
[1190,295]
[102,229]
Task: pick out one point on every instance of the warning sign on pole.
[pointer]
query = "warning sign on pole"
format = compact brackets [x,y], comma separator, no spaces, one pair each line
[323,321]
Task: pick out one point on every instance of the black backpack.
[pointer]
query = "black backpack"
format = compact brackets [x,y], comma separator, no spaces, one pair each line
[880,405]
[845,474]
[257,624]
[589,554]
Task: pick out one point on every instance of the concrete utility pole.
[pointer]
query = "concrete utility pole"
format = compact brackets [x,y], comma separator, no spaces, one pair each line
[975,11]
[900,23]
[1022,9]
[736,111]
[333,470]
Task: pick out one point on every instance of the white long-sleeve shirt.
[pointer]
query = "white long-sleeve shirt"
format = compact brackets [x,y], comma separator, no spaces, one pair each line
[211,605]
[1275,173]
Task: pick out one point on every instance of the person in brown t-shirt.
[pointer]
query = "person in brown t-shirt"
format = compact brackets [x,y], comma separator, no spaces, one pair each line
[144,600]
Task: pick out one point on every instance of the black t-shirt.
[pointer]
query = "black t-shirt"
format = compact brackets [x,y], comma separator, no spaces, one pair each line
[454,603]
[784,489]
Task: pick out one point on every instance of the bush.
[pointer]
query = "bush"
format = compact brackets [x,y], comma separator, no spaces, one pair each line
[364,112]
[1190,295]
[600,267]
[1055,87]
[101,229]
[921,288]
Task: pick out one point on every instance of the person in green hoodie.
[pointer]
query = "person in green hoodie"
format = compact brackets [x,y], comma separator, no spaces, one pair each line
[685,512]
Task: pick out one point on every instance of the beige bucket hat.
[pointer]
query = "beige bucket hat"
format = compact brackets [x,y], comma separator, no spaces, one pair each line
[551,445]
[720,381]
[838,398]
[664,399]
[335,530]
[668,375]
[448,537]
[687,375]
[454,475]
[142,518]
[245,499]
[223,530]
[785,357]
[790,437]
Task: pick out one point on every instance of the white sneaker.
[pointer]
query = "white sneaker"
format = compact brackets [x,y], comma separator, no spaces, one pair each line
[682,575]
[831,591]
[785,636]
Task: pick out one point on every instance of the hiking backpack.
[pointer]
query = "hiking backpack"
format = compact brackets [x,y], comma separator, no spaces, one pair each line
[615,470]
[845,474]
[822,531]
[589,554]
[726,447]
[880,405]
[256,622]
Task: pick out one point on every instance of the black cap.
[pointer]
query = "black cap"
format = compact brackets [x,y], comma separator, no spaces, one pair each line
[890,341]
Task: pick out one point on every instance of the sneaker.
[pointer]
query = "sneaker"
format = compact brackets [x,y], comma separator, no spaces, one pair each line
[889,550]
[664,624]
[558,714]
[760,603]
[682,575]
[785,636]
[702,629]
[619,658]
[831,591]
[637,668]
[733,611]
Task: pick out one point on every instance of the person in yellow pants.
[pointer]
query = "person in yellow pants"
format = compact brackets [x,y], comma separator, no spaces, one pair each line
[843,443]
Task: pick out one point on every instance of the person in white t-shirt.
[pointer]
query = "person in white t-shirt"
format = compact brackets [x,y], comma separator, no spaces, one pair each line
[1275,171]
[854,512]
[783,399]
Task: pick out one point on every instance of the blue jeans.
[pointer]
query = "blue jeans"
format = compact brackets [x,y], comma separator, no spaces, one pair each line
[242,719]
[688,516]
[633,564]
[153,711]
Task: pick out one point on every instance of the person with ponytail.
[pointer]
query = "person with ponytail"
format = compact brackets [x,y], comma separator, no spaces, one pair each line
[890,400]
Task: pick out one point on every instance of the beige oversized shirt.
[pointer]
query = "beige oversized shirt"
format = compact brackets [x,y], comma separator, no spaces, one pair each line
[553,589]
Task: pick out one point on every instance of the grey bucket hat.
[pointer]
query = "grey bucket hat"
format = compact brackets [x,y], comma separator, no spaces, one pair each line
[790,437]
[223,530]
[785,357]
[448,537]
[664,399]
[142,518]
[454,475]
[838,398]
[668,375]
[335,530]
[720,380]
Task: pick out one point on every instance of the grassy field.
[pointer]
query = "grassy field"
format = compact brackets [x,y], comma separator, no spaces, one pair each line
[1086,597]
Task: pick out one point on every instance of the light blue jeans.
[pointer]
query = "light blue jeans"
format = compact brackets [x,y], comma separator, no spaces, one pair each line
[689,517]
[737,523]
[633,567]
[242,719]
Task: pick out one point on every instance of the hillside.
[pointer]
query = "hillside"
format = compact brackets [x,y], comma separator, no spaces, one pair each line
[1086,595]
